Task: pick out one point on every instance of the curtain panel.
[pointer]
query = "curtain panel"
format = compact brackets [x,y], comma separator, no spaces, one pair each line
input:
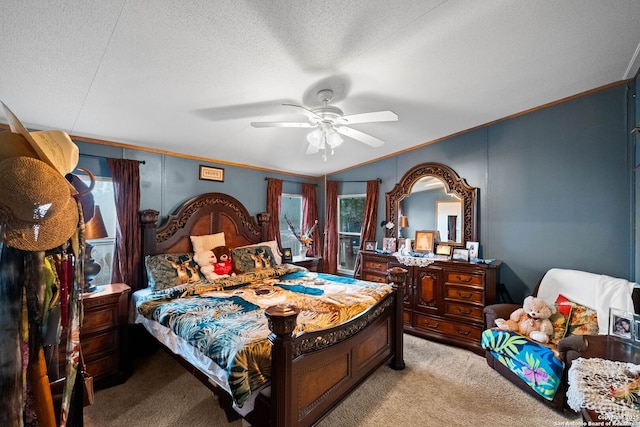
[330,254]
[127,257]
[369,221]
[274,195]
[310,215]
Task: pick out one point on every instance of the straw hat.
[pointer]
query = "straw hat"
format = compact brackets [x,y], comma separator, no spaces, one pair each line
[37,210]
[54,147]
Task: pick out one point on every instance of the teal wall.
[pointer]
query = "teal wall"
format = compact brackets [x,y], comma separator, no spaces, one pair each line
[555,186]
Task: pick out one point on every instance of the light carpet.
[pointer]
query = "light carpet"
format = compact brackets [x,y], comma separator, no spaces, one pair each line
[440,386]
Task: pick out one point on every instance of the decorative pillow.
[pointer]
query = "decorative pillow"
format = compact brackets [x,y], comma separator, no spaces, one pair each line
[273,244]
[168,270]
[560,321]
[246,259]
[583,320]
[207,242]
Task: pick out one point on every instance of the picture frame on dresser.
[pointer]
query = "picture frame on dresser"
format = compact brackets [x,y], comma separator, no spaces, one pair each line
[444,250]
[636,328]
[370,245]
[460,254]
[424,241]
[389,244]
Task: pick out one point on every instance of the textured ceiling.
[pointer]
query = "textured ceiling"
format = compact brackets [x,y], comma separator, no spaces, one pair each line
[189,77]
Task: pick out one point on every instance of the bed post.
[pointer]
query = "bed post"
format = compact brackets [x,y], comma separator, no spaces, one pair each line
[398,276]
[282,322]
[263,222]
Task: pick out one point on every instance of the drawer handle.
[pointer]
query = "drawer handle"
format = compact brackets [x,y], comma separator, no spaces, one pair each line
[464,294]
[463,331]
[465,278]
[464,311]
[433,325]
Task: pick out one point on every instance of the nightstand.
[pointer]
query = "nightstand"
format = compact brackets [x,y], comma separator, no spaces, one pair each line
[103,333]
[310,263]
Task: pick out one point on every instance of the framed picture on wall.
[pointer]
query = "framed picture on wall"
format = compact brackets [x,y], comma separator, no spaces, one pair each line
[424,241]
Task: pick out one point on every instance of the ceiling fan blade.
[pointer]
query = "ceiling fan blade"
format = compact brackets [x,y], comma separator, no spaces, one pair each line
[282,125]
[375,116]
[365,138]
[305,111]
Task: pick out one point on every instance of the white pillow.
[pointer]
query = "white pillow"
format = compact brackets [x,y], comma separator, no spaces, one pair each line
[273,245]
[207,242]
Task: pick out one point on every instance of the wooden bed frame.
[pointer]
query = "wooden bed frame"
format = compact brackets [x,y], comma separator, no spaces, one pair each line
[312,372]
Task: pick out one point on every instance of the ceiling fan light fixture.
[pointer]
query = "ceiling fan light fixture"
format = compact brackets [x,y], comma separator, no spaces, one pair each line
[333,139]
[315,137]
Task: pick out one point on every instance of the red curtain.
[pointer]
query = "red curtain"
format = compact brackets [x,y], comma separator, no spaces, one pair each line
[127,257]
[369,221]
[310,215]
[274,194]
[330,256]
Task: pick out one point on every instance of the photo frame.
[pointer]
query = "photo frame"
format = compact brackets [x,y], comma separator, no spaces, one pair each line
[636,328]
[424,241]
[474,249]
[444,250]
[621,323]
[460,254]
[389,244]
[370,245]
[287,255]
[209,173]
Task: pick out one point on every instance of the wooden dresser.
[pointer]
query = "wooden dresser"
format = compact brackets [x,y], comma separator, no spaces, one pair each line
[103,334]
[444,300]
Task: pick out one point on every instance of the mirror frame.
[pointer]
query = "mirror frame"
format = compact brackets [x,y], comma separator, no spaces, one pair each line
[453,184]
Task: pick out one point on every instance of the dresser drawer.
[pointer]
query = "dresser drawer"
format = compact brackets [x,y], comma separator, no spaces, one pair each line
[102,366]
[374,277]
[375,265]
[464,294]
[447,327]
[466,311]
[464,278]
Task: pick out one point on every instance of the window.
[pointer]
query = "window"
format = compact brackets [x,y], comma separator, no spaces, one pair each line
[291,206]
[350,215]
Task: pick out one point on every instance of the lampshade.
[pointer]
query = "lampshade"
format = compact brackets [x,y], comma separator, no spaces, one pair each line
[95,228]
[404,221]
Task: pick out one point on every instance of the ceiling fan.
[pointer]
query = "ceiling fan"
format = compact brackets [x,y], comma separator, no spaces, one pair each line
[329,122]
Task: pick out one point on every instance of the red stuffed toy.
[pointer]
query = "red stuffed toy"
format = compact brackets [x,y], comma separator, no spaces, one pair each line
[223,265]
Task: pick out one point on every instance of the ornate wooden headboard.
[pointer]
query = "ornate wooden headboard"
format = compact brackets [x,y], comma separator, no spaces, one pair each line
[207,213]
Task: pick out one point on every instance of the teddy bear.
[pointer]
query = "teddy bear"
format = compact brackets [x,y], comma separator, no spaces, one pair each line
[531,320]
[223,265]
[207,261]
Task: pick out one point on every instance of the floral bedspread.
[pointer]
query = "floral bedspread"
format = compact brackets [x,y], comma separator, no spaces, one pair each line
[228,324]
[536,364]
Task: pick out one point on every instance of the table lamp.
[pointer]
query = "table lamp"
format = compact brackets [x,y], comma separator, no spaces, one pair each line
[94,229]
[404,223]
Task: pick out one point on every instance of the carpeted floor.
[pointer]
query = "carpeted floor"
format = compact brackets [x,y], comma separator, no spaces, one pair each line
[441,386]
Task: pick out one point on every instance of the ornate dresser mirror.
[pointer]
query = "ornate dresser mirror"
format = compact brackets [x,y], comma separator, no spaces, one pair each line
[433,197]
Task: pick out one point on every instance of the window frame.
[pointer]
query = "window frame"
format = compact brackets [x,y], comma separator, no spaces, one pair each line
[363,196]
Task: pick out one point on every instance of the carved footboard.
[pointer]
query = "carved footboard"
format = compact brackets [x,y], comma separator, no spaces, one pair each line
[313,372]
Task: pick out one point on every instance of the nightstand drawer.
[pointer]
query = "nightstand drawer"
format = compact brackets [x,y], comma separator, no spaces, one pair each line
[102,366]
[95,320]
[373,277]
[99,343]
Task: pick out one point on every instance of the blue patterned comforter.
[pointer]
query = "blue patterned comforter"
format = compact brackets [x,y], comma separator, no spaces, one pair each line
[226,321]
[536,364]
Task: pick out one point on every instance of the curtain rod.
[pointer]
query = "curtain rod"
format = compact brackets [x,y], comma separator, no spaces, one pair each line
[266,178]
[377,179]
[103,157]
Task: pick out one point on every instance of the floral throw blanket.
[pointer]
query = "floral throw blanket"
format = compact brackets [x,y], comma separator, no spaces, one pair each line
[227,322]
[536,364]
